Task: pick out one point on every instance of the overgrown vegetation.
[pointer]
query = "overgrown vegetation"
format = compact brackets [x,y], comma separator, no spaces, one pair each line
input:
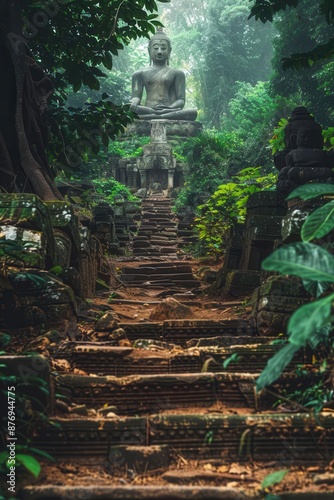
[23,396]
[113,191]
[227,206]
[207,157]
[312,323]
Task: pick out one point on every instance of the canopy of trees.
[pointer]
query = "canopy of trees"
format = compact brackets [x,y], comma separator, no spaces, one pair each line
[265,10]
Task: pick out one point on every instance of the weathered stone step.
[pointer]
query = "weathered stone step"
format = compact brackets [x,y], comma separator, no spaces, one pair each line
[169,233]
[138,278]
[228,340]
[153,393]
[186,241]
[159,268]
[153,278]
[181,331]
[250,358]
[164,492]
[147,252]
[164,242]
[168,282]
[185,232]
[158,217]
[302,438]
[167,250]
[123,361]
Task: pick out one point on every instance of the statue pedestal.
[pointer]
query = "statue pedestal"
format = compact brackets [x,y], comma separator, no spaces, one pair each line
[174,128]
[157,165]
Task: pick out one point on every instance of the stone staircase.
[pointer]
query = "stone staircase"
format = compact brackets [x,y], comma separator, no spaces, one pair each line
[141,408]
[159,238]
[178,405]
[158,229]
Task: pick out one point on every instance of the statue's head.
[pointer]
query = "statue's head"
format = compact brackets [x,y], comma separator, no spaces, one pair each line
[301,113]
[306,138]
[159,46]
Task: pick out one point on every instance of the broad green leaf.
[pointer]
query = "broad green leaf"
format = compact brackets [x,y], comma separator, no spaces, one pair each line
[3,456]
[309,191]
[4,339]
[29,463]
[305,260]
[318,223]
[276,365]
[315,288]
[320,337]
[308,319]
[274,478]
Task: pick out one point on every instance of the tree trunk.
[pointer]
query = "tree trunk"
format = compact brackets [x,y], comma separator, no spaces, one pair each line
[23,133]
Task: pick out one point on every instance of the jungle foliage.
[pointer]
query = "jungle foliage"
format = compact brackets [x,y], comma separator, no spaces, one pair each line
[227,206]
[76,43]
[266,10]
[207,159]
[312,323]
[300,29]
[23,395]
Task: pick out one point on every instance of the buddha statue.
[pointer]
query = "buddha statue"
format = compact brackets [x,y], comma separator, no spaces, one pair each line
[165,87]
[306,163]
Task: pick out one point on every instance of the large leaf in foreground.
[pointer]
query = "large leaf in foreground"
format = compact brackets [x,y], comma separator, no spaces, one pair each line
[315,288]
[320,337]
[309,319]
[305,260]
[29,463]
[318,223]
[309,191]
[276,365]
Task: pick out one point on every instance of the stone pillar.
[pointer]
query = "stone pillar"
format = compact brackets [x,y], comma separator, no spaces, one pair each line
[143,178]
[170,179]
[122,177]
[131,178]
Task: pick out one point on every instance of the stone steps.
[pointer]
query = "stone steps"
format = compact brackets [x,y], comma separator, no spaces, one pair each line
[157,220]
[145,394]
[153,406]
[164,492]
[177,392]
[256,437]
[107,359]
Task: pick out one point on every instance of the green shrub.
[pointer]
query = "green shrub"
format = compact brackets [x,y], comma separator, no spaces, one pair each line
[227,206]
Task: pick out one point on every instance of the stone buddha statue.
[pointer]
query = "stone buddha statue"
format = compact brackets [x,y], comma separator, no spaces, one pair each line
[165,87]
[306,163]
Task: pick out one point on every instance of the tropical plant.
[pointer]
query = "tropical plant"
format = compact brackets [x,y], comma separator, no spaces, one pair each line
[231,50]
[310,324]
[110,190]
[207,159]
[227,206]
[265,10]
[23,396]
[301,29]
